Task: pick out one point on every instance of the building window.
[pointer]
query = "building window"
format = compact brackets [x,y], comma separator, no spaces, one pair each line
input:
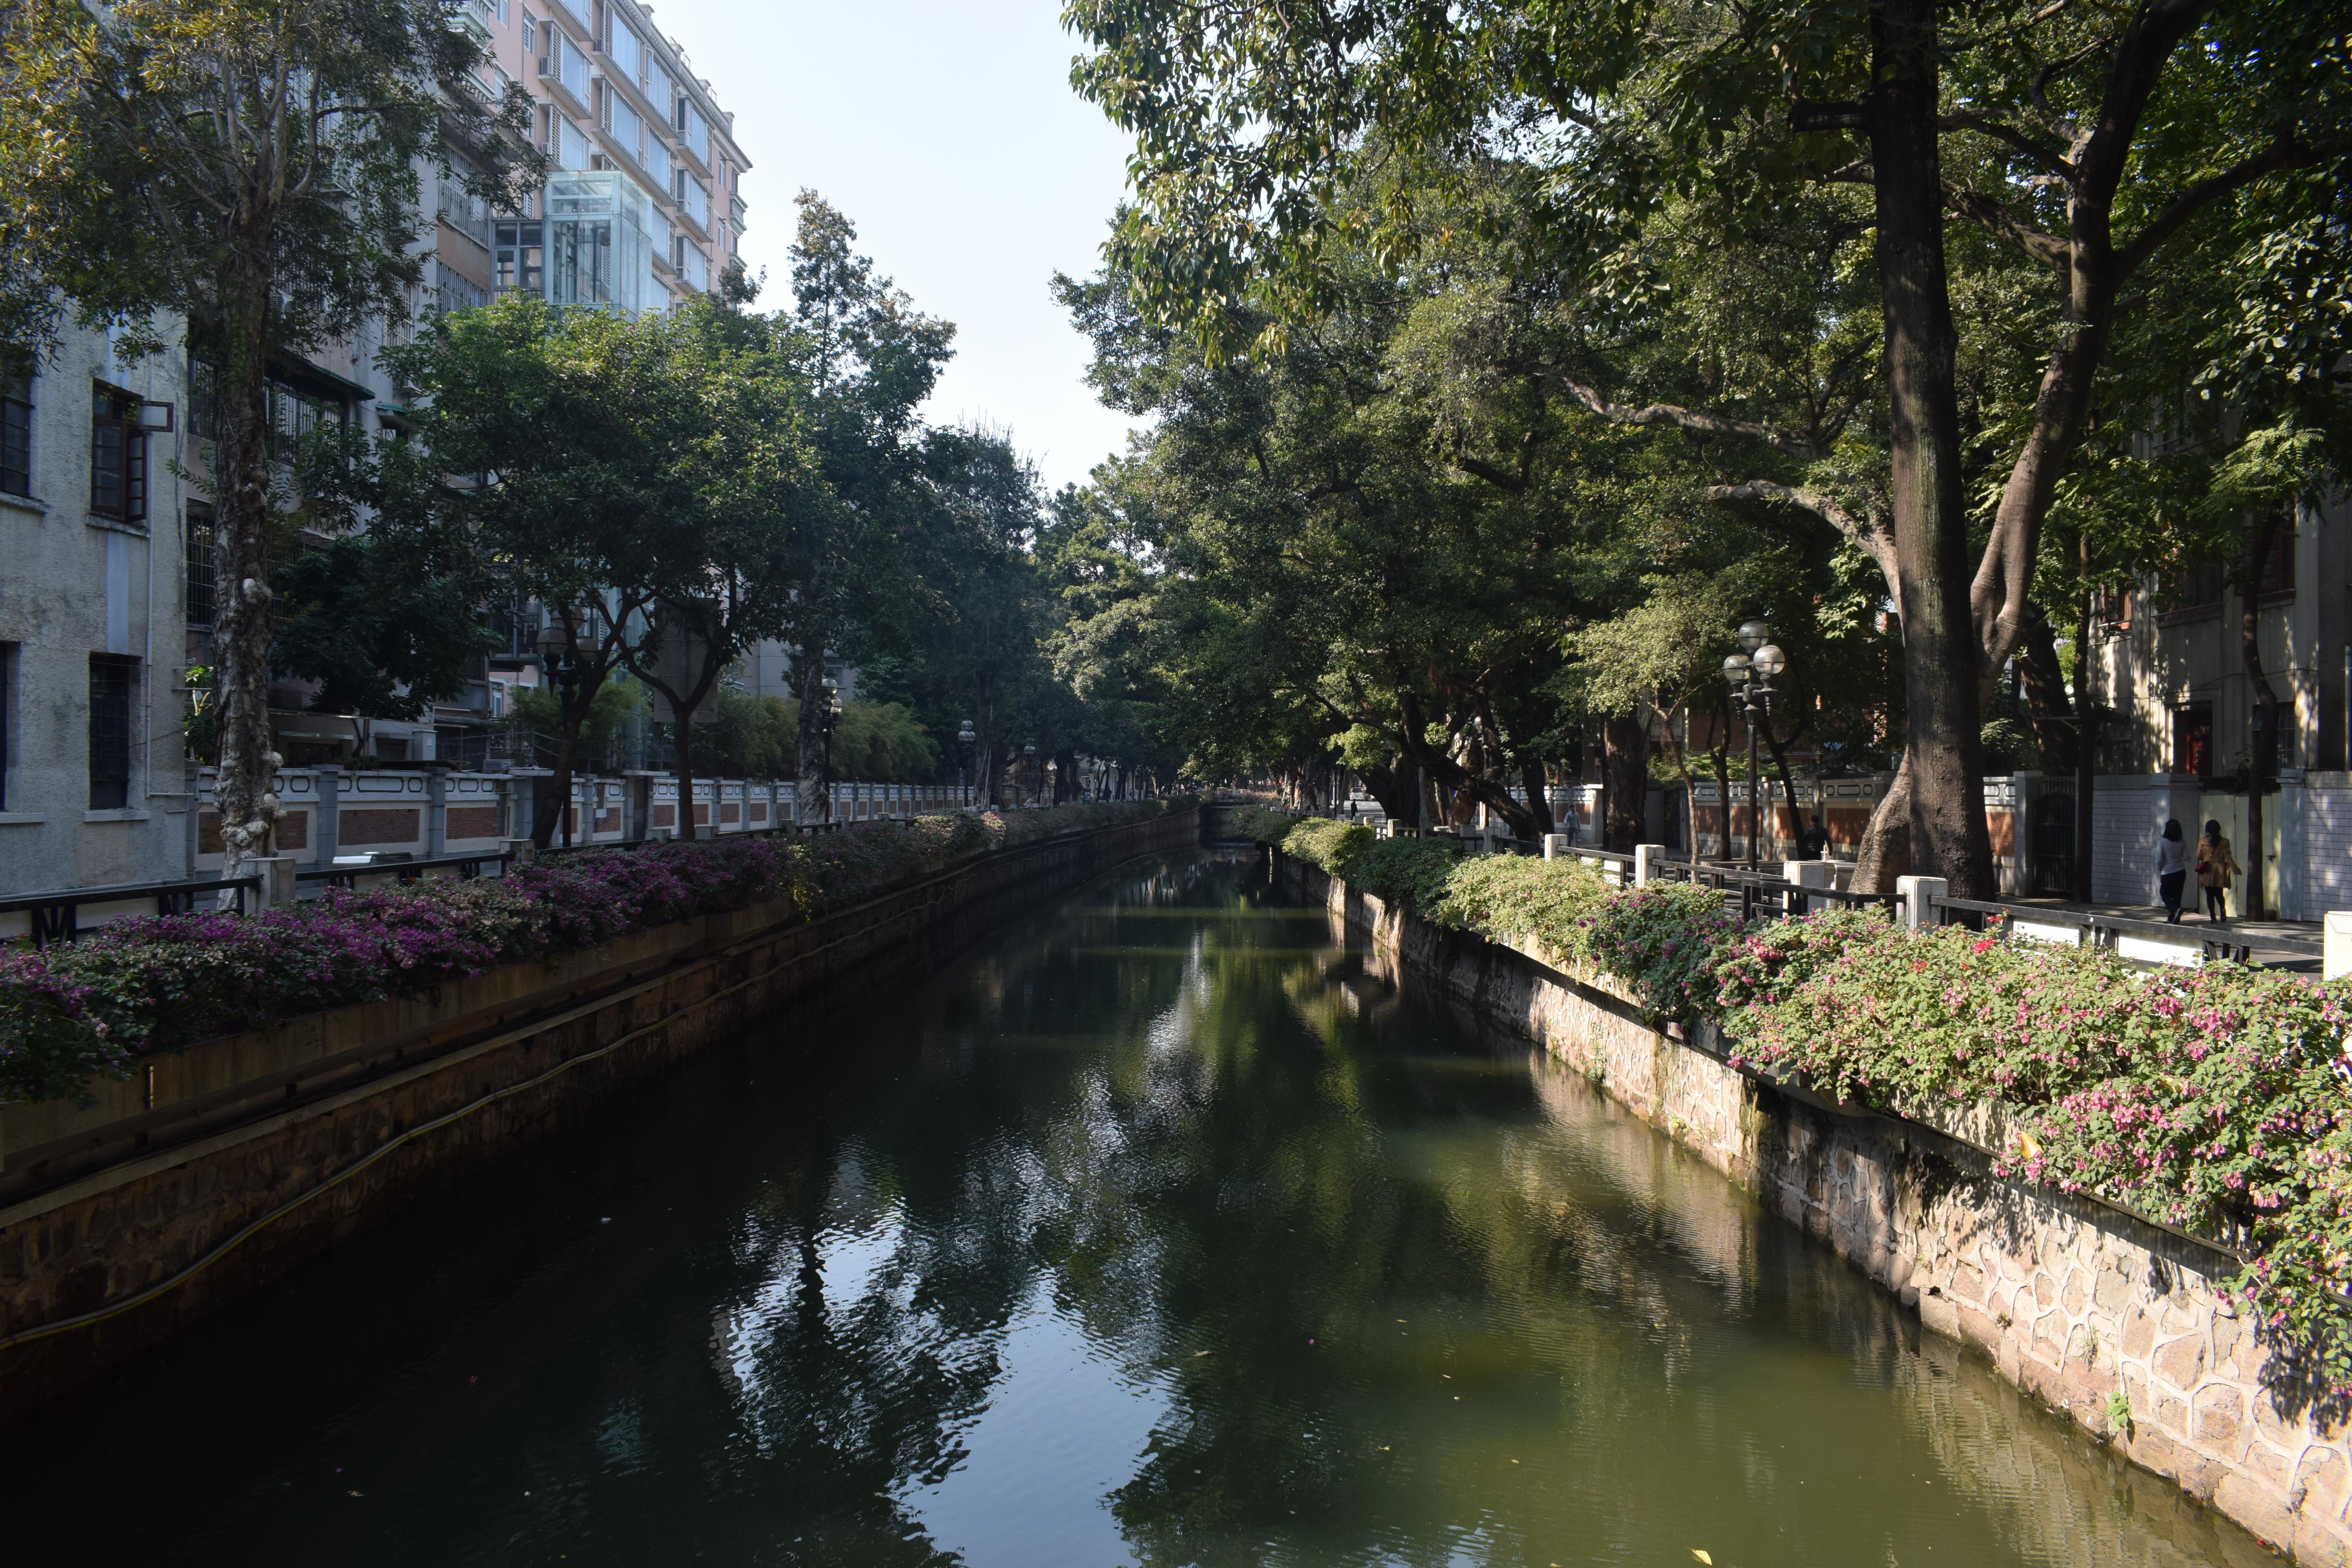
[16,437]
[7,712]
[112,681]
[2276,579]
[626,126]
[293,411]
[200,606]
[2111,609]
[2196,590]
[2192,739]
[518,259]
[203,401]
[118,455]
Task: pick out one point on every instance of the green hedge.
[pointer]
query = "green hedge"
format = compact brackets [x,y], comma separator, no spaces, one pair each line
[1264,823]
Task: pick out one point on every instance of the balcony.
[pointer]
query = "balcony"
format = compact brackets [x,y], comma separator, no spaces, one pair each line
[573,16]
[564,73]
[694,141]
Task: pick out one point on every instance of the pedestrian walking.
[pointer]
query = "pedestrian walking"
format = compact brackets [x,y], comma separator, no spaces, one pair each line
[2217,869]
[2171,868]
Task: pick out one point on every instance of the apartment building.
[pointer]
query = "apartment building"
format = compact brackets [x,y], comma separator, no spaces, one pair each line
[108,598]
[643,205]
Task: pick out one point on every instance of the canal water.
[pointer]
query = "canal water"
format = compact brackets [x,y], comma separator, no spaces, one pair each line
[1150,1233]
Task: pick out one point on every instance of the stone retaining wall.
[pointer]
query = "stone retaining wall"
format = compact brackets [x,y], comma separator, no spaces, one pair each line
[103,1204]
[2115,1321]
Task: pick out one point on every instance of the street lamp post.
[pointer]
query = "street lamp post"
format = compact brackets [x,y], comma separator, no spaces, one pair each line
[556,657]
[1751,672]
[965,741]
[826,719]
[1029,767]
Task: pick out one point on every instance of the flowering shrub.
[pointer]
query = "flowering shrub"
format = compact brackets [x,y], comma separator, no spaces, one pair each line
[1662,941]
[136,987]
[2213,1100]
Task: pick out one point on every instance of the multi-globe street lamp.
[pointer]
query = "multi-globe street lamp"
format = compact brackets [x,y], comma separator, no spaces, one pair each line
[1029,768]
[965,742]
[1751,672]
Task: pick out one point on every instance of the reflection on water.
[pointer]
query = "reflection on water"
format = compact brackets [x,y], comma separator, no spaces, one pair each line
[1152,1232]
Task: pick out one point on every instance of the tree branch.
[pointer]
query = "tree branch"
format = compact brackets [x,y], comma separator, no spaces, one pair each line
[2279,154]
[1500,479]
[2003,222]
[1868,534]
[1685,418]
[2042,152]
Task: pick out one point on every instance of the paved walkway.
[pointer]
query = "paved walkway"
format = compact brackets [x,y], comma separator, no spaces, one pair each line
[2246,935]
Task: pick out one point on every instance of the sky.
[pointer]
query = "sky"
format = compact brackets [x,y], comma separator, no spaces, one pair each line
[947,131]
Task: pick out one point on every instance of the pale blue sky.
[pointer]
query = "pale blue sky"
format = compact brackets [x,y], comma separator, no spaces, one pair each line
[947,132]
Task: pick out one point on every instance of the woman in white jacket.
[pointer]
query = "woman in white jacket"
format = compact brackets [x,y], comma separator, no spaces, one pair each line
[2171,868]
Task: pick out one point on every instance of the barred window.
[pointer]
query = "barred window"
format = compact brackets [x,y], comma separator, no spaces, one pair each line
[16,437]
[118,455]
[112,682]
[199,602]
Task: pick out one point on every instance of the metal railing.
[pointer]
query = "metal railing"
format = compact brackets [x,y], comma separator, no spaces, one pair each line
[55,916]
[404,868]
[2141,940]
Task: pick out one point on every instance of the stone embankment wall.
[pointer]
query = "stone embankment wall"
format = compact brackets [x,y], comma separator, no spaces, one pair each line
[2118,1324]
[243,1156]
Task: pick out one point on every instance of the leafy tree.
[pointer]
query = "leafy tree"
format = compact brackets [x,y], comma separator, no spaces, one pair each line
[540,710]
[573,418]
[383,626]
[871,358]
[752,530]
[251,167]
[2089,140]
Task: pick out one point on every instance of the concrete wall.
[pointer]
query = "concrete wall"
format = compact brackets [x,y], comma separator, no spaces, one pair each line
[101,1204]
[2075,1302]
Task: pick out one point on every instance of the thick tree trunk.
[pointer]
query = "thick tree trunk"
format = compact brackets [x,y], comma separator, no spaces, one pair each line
[2262,744]
[1779,747]
[809,665]
[1540,818]
[2087,744]
[1885,852]
[244,791]
[2057,726]
[1625,792]
[1949,834]
[551,802]
[1397,789]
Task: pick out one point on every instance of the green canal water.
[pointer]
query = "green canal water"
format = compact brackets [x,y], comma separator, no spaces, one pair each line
[1149,1233]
